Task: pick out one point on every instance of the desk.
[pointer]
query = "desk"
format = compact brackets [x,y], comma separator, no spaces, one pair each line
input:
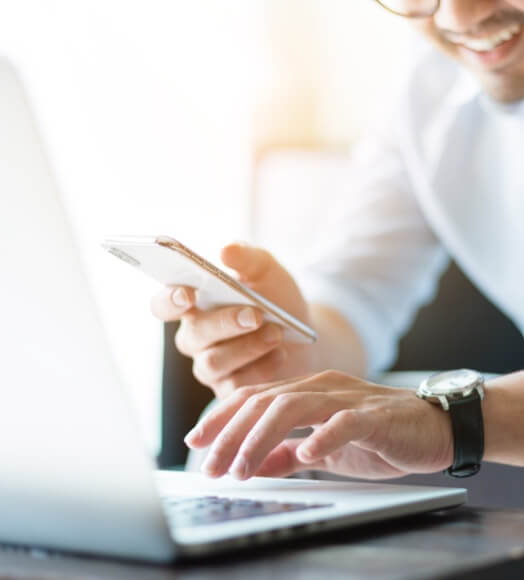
[462,543]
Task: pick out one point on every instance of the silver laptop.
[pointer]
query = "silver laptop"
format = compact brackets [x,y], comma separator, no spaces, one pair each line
[75,473]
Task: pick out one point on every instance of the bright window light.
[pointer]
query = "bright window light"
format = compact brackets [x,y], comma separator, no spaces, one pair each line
[144,108]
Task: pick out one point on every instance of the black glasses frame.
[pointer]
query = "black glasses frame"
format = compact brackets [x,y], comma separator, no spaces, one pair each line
[412,14]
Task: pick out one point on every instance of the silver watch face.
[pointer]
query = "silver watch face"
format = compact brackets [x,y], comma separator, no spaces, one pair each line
[451,382]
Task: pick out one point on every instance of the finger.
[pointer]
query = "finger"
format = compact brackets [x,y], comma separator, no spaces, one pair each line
[345,426]
[283,461]
[250,262]
[212,424]
[222,360]
[207,429]
[200,330]
[172,302]
[261,271]
[227,443]
[286,412]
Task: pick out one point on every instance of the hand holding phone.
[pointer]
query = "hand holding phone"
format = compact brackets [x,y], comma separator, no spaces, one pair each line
[173,264]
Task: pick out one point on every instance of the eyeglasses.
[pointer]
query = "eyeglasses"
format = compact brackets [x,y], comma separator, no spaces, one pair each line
[411,8]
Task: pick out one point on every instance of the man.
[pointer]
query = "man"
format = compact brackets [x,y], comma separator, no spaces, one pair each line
[442,177]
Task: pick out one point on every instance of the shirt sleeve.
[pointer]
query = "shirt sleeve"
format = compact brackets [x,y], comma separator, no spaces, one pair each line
[378,261]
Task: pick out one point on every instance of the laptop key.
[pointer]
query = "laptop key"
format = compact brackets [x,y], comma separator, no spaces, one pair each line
[202,511]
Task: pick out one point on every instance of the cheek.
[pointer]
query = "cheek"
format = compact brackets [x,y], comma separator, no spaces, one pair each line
[428,29]
[425,28]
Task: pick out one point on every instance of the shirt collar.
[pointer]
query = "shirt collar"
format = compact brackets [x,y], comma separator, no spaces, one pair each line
[515,109]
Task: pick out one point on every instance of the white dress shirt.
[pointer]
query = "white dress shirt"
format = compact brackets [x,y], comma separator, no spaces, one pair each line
[442,176]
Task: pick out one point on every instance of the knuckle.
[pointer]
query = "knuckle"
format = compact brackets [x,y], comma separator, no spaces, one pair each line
[235,382]
[222,389]
[286,401]
[332,375]
[259,402]
[198,374]
[252,440]
[245,394]
[346,415]
[241,396]
[230,386]
[181,342]
[209,361]
[201,374]
[226,321]
[225,440]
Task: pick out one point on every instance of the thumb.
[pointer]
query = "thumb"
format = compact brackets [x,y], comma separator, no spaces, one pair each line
[256,266]
[259,270]
[250,262]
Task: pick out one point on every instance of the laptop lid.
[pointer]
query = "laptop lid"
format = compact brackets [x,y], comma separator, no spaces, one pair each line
[75,474]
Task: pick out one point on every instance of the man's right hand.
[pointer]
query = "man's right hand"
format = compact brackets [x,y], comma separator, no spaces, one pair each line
[233,346]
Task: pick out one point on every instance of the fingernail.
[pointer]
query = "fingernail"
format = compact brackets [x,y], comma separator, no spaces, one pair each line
[239,469]
[180,298]
[194,434]
[271,334]
[247,318]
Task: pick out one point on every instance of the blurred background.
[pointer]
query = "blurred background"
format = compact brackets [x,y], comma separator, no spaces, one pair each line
[194,119]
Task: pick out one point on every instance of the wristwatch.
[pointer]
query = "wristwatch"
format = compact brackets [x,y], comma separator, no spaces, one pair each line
[460,393]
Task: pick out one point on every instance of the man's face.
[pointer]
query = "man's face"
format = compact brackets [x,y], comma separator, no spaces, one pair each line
[486,36]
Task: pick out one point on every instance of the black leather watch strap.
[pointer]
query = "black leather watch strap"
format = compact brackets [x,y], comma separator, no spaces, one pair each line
[468,435]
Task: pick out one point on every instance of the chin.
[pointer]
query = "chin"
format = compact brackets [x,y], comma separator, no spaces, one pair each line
[502,85]
[503,91]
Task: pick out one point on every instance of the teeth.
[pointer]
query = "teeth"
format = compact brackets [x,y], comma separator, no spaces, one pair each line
[487,44]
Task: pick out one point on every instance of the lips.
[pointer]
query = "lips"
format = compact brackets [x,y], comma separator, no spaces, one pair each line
[491,52]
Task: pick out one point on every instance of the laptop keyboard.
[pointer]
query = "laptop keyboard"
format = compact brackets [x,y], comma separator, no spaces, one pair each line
[203,511]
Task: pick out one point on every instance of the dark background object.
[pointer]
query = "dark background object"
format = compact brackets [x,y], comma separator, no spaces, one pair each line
[459,329]
[183,399]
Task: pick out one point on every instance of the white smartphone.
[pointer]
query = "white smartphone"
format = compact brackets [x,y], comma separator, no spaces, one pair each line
[173,264]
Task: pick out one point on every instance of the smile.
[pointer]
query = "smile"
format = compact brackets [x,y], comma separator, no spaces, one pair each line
[492,42]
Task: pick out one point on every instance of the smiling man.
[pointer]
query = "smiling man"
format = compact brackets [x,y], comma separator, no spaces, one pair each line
[440,176]
[484,36]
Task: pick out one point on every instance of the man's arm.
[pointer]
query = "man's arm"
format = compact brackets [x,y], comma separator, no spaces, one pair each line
[503,411]
[360,429]
[339,344]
